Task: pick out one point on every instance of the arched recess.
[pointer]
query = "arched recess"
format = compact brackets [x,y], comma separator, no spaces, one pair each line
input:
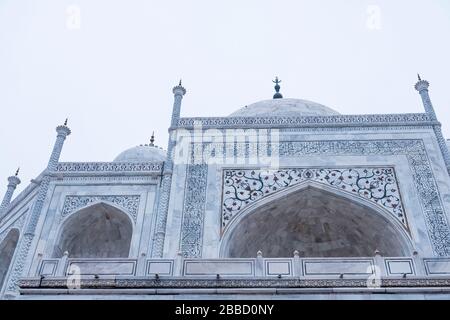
[97,231]
[318,221]
[7,249]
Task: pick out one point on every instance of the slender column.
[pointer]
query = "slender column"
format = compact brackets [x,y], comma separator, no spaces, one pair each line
[163,203]
[13,182]
[25,244]
[179,91]
[422,87]
[63,131]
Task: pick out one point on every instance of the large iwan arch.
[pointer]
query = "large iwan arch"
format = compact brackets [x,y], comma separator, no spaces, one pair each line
[7,249]
[98,231]
[318,221]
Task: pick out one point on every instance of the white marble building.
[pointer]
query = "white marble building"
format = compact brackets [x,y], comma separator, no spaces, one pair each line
[284,198]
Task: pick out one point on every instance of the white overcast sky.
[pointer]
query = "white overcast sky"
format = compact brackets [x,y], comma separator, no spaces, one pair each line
[112,73]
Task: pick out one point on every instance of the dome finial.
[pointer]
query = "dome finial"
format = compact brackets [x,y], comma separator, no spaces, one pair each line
[17,171]
[277,87]
[65,122]
[418,76]
[152,139]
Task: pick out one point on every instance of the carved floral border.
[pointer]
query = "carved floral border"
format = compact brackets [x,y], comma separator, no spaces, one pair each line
[414,150]
[242,187]
[129,203]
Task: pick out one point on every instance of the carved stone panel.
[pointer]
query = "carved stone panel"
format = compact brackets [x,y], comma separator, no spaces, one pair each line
[244,187]
[130,203]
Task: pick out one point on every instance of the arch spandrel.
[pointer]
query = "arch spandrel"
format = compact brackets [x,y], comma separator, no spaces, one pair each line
[128,204]
[243,188]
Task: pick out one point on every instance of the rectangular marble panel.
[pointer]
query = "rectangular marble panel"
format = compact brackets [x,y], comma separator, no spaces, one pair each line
[278,267]
[103,267]
[229,267]
[399,266]
[160,267]
[439,266]
[337,266]
[48,267]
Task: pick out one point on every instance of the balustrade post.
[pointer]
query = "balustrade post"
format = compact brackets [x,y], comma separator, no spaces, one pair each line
[178,264]
[62,265]
[297,267]
[259,267]
[419,264]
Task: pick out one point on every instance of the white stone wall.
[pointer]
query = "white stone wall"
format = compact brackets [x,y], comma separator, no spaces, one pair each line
[53,218]
[16,218]
[211,241]
[146,187]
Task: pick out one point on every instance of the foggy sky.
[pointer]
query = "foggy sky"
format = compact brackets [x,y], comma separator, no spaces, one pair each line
[112,73]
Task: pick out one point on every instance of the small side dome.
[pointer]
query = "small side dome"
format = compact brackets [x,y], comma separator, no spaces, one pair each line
[142,153]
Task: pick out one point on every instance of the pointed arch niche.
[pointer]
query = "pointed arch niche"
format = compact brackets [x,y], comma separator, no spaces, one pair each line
[316,220]
[97,231]
[7,249]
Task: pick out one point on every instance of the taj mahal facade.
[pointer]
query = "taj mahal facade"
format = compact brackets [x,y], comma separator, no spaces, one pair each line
[285,198]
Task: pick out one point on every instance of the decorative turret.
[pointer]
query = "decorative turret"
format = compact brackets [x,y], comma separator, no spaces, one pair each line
[161,218]
[62,132]
[178,91]
[13,182]
[422,87]
[30,229]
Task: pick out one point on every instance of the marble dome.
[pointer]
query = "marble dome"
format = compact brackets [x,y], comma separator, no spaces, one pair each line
[284,108]
[142,153]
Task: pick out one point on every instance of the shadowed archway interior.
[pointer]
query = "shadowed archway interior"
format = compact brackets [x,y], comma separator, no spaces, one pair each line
[7,249]
[99,231]
[317,223]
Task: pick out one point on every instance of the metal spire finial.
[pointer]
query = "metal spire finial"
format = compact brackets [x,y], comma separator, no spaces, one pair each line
[180,83]
[17,171]
[277,81]
[65,122]
[418,76]
[277,87]
[152,139]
